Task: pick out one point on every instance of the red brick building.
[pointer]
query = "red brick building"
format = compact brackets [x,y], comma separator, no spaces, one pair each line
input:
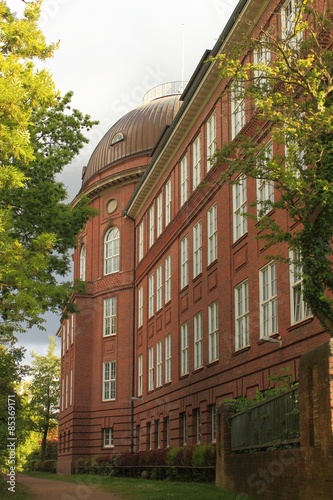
[182,307]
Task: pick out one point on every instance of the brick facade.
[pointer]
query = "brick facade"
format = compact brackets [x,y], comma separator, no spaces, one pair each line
[165,413]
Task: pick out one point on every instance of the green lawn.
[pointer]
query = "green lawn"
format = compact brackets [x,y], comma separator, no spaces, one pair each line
[21,492]
[144,489]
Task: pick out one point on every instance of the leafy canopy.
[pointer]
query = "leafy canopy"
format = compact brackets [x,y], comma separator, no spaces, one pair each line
[39,134]
[287,88]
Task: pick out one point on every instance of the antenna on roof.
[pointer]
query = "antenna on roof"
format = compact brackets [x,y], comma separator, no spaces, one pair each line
[183,52]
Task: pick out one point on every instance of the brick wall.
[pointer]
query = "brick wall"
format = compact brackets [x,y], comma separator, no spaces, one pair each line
[300,473]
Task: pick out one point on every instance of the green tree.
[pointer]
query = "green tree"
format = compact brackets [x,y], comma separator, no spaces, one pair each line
[12,371]
[39,134]
[45,392]
[290,92]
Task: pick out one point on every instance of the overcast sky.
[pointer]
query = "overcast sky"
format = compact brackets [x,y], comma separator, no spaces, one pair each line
[110,54]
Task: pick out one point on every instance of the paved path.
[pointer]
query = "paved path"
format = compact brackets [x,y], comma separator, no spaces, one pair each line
[53,489]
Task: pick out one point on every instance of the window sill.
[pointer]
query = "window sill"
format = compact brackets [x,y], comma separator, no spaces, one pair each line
[240,240]
[108,446]
[241,350]
[213,363]
[302,322]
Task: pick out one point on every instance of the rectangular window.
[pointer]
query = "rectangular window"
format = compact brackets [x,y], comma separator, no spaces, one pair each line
[159,215]
[213,421]
[151,296]
[184,368]
[242,329]
[268,300]
[72,321]
[237,108]
[151,369]
[261,59]
[66,398]
[197,249]
[184,262]
[167,277]
[265,188]
[140,243]
[212,234]
[62,394]
[198,425]
[298,308]
[198,355]
[67,334]
[151,225]
[149,436]
[157,435]
[71,389]
[239,207]
[213,332]
[159,361]
[183,429]
[63,338]
[109,381]
[183,180]
[211,139]
[110,317]
[159,288]
[168,359]
[166,432]
[289,17]
[168,202]
[140,375]
[108,437]
[140,307]
[196,162]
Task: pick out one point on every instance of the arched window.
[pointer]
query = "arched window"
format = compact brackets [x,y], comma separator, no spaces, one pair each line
[83,259]
[111,251]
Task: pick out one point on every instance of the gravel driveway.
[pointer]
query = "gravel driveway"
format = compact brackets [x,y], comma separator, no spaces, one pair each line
[52,489]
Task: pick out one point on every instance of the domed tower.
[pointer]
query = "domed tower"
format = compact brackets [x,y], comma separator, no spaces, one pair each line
[97,343]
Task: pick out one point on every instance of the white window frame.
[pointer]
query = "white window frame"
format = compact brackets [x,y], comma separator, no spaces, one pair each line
[67,389]
[288,19]
[110,316]
[238,117]
[268,300]
[140,375]
[242,322]
[159,215]
[213,332]
[239,197]
[151,225]
[196,151]
[197,249]
[261,58]
[299,310]
[109,381]
[151,369]
[198,353]
[167,278]
[212,234]
[167,353]
[159,288]
[265,188]
[140,242]
[71,388]
[83,262]
[140,307]
[168,201]
[108,437]
[111,251]
[184,262]
[184,348]
[183,180]
[159,363]
[151,303]
[210,139]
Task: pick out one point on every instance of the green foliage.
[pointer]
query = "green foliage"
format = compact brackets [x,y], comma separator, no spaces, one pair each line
[39,134]
[290,98]
[282,382]
[45,393]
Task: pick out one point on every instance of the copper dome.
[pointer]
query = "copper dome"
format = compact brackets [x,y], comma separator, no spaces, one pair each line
[135,133]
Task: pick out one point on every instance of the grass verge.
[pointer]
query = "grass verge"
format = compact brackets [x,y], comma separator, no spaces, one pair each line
[144,489]
[21,491]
